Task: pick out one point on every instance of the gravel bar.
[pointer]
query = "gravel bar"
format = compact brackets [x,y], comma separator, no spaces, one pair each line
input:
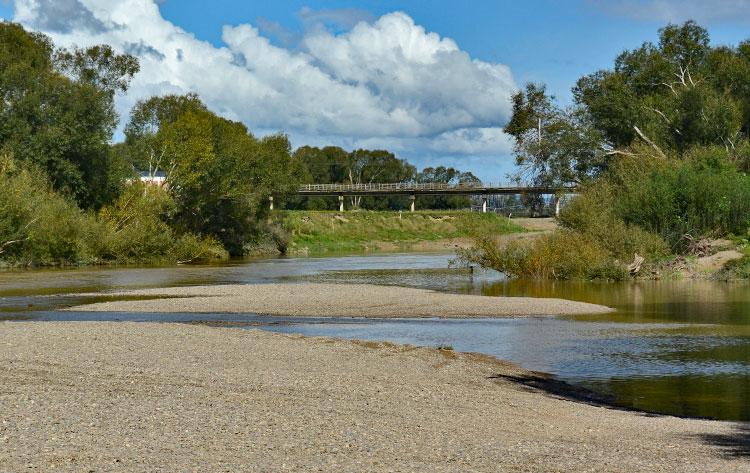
[82,396]
[336,300]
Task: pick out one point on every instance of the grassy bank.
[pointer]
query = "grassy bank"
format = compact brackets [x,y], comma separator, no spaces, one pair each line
[318,232]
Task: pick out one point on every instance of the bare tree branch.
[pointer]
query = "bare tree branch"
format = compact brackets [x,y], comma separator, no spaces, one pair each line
[671,87]
[647,140]
[617,151]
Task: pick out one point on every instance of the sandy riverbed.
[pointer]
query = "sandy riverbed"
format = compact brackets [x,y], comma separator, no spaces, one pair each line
[332,300]
[167,397]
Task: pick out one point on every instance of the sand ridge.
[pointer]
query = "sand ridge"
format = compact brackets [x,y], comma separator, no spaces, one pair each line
[335,300]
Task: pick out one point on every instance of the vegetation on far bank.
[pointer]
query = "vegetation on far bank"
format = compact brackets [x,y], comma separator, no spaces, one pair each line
[41,227]
[316,232]
[334,165]
[659,148]
[68,196]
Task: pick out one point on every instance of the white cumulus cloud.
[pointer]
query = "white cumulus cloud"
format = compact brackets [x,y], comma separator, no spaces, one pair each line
[384,82]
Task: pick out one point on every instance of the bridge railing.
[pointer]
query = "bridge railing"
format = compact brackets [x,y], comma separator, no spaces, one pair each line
[406,186]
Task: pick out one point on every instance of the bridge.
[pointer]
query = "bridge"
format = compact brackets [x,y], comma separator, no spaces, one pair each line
[413,189]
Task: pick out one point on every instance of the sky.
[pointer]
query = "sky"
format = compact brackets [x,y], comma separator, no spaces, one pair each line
[430,80]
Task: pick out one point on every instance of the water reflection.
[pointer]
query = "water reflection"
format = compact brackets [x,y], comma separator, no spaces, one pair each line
[683,301]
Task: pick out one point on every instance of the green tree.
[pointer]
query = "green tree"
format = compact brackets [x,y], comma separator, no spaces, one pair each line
[674,95]
[445,175]
[378,166]
[219,175]
[553,147]
[57,111]
[326,165]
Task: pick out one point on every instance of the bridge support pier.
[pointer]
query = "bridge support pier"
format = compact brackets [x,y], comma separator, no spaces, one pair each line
[484,203]
[270,202]
[341,202]
[557,206]
[412,205]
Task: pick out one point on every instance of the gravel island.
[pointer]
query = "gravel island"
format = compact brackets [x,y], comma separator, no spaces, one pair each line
[335,300]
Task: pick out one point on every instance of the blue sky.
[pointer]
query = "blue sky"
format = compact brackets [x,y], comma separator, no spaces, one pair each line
[430,83]
[549,41]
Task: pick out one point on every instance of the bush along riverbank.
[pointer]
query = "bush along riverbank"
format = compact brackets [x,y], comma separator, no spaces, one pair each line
[320,232]
[69,196]
[658,149]
[39,227]
[647,217]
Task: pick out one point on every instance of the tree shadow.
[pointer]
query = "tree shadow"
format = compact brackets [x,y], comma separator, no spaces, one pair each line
[735,444]
[536,381]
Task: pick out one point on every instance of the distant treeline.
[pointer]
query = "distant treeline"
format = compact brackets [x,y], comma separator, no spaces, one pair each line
[334,165]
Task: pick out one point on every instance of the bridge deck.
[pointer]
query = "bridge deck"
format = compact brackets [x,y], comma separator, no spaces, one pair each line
[425,189]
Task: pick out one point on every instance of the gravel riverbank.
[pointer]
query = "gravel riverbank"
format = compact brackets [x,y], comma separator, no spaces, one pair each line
[167,397]
[336,300]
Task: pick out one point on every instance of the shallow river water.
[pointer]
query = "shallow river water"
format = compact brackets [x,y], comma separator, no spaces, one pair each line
[680,348]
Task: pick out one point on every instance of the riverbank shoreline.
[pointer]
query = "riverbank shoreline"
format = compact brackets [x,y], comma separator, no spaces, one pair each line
[368,231]
[333,300]
[135,396]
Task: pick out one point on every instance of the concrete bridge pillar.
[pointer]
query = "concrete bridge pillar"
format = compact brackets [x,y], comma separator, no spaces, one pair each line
[557,206]
[270,202]
[341,202]
[484,203]
[412,205]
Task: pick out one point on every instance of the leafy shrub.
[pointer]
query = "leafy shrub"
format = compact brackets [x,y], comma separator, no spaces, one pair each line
[38,226]
[137,230]
[562,254]
[190,248]
[592,214]
[735,269]
[644,202]
[685,201]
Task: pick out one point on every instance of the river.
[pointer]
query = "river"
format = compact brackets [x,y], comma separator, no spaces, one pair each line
[679,347]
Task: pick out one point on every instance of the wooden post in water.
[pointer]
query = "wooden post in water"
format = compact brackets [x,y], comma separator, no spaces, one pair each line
[413,201]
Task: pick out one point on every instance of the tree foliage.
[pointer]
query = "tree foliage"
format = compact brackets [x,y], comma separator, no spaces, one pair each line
[660,145]
[57,111]
[40,227]
[445,175]
[673,95]
[678,93]
[553,146]
[219,175]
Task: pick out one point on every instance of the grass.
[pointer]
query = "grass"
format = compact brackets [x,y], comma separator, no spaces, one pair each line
[329,231]
[735,269]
